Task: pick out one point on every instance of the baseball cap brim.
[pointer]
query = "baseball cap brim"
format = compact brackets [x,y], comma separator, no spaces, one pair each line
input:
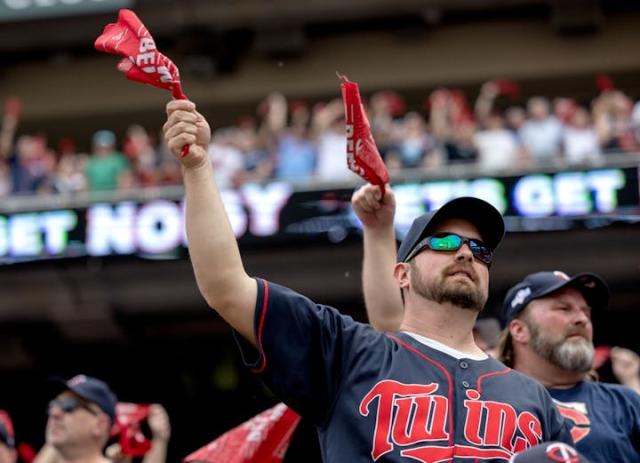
[481,214]
[593,288]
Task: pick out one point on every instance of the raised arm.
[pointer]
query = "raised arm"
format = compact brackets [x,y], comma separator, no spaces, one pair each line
[381,292]
[161,432]
[213,250]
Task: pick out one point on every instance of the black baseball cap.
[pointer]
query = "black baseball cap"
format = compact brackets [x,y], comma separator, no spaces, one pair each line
[553,452]
[481,214]
[540,284]
[92,390]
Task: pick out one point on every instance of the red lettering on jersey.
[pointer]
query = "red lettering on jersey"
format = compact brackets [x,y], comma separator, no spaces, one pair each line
[581,422]
[530,428]
[388,393]
[428,421]
[410,414]
[501,424]
[474,418]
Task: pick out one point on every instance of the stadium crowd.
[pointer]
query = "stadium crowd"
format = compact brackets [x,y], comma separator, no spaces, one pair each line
[292,141]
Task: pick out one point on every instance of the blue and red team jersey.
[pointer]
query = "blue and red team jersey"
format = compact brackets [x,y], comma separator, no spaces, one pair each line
[605,420]
[388,397]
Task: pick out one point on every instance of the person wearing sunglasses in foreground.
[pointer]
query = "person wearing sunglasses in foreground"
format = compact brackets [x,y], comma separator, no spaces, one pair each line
[426,393]
[80,422]
[548,335]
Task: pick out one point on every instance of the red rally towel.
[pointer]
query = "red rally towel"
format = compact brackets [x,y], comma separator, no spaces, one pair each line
[363,157]
[141,60]
[264,438]
[127,426]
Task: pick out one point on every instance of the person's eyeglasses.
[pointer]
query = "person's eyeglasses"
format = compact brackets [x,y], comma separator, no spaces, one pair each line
[69,405]
[452,242]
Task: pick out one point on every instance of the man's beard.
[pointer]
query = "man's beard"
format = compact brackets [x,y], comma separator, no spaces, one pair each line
[465,296]
[572,355]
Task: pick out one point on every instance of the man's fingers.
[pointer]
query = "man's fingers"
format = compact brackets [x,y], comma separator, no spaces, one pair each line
[180,105]
[373,203]
[180,128]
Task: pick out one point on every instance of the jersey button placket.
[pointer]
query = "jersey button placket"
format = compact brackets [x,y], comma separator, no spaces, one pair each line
[465,384]
[464,365]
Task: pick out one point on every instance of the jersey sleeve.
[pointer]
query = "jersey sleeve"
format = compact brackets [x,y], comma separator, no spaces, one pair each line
[302,349]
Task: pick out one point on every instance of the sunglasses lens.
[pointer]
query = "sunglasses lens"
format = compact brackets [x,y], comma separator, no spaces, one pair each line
[445,243]
[481,251]
[66,404]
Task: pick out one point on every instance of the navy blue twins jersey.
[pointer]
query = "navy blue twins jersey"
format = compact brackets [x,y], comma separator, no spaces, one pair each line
[387,397]
[605,420]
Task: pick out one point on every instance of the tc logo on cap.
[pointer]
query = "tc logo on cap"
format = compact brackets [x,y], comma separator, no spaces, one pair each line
[520,296]
[562,453]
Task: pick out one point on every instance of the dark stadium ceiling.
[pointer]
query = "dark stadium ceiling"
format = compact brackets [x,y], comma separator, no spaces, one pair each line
[172,18]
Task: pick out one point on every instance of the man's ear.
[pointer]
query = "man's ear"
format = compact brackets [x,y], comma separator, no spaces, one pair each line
[102,426]
[519,331]
[401,273]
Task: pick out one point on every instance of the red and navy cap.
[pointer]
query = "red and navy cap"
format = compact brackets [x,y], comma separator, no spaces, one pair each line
[540,284]
[92,390]
[553,452]
[7,436]
[481,214]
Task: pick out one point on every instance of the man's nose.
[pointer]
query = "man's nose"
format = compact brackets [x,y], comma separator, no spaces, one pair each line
[464,253]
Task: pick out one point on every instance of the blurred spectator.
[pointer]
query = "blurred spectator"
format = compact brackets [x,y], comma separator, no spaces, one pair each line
[8,452]
[498,147]
[226,158]
[79,423]
[106,167]
[140,150]
[541,133]
[612,117]
[515,117]
[31,165]
[452,128]
[412,146]
[69,173]
[579,139]
[328,123]
[294,145]
[626,367]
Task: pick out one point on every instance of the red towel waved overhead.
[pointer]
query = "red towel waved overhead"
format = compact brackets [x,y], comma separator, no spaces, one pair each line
[141,60]
[263,439]
[363,157]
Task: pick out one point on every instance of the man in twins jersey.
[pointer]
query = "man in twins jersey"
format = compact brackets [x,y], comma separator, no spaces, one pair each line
[426,393]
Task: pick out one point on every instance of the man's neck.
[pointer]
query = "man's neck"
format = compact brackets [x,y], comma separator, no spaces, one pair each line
[551,376]
[445,323]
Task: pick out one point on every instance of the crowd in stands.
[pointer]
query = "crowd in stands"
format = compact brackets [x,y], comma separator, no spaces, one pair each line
[292,141]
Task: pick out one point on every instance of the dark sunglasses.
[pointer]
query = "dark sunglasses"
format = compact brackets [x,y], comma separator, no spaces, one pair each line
[446,242]
[69,405]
